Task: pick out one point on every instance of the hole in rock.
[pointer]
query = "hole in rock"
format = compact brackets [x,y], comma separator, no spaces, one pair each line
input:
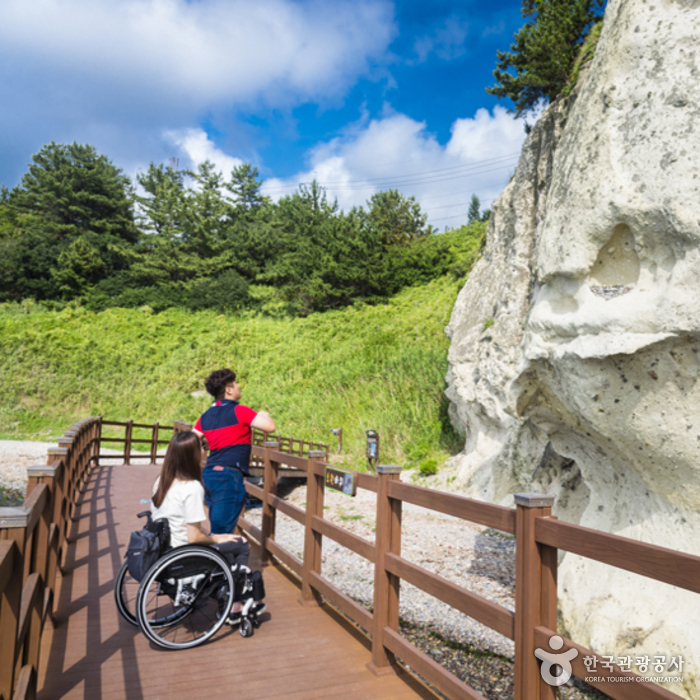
[617,262]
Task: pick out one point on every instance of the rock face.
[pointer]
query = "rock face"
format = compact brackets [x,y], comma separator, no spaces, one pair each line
[575,345]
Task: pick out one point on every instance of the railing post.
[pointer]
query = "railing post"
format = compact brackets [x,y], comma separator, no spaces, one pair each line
[48,532]
[98,436]
[312,540]
[59,455]
[13,531]
[10,596]
[127,441]
[154,443]
[535,594]
[37,476]
[55,455]
[269,514]
[386,585]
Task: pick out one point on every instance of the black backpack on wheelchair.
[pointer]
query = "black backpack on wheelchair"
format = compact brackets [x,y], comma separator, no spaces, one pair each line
[147,545]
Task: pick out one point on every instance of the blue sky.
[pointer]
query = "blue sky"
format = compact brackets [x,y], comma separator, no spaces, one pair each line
[363,95]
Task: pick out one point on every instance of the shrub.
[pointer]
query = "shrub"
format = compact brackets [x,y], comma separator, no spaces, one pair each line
[428,467]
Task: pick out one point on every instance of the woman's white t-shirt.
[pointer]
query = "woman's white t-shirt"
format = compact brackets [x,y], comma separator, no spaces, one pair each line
[183,504]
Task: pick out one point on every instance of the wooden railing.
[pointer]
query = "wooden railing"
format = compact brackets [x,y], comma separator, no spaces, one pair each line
[33,538]
[154,441]
[288,445]
[32,542]
[538,534]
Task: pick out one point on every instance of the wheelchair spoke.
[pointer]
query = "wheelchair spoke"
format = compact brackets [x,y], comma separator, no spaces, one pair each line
[181,599]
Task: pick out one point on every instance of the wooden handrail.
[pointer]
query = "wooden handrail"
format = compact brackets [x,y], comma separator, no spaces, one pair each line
[440,677]
[344,603]
[490,614]
[293,563]
[123,424]
[344,538]
[488,514]
[290,460]
[666,565]
[287,509]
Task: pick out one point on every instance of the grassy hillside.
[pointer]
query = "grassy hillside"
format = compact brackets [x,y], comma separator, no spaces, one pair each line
[378,367]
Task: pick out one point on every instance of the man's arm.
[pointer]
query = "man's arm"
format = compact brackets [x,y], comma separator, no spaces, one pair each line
[264,422]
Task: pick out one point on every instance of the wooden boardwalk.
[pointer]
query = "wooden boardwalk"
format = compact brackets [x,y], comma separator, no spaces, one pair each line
[92,653]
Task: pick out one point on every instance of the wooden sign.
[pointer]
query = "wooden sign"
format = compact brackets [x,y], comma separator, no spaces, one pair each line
[341,481]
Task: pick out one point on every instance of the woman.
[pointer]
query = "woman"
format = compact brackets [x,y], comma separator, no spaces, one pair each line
[178,495]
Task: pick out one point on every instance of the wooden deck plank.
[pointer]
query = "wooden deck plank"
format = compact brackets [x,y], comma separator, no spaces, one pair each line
[92,653]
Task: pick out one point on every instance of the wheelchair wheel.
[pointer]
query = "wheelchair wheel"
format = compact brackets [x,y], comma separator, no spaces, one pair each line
[246,628]
[185,597]
[125,591]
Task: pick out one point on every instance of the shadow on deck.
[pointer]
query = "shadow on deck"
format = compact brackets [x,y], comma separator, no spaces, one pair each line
[92,653]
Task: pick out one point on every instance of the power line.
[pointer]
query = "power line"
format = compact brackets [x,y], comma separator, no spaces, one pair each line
[468,166]
[475,168]
[424,181]
[427,181]
[447,218]
[459,204]
[437,158]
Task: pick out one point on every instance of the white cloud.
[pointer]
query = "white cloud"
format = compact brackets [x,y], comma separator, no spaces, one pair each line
[396,152]
[194,147]
[447,41]
[498,28]
[229,51]
[493,133]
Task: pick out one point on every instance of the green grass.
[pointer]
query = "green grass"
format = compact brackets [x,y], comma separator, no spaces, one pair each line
[379,367]
[350,517]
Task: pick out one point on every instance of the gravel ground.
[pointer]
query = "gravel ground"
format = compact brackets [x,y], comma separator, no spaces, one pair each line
[15,457]
[477,558]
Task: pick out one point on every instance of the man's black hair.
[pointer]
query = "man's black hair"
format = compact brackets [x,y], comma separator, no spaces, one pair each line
[217,382]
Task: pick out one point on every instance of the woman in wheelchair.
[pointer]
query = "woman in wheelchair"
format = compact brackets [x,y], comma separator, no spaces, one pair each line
[178,495]
[203,581]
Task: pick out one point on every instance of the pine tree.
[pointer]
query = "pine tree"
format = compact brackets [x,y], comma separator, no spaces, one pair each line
[474,209]
[397,218]
[160,211]
[245,188]
[70,193]
[543,54]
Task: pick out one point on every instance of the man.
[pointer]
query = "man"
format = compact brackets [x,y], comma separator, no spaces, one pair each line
[226,425]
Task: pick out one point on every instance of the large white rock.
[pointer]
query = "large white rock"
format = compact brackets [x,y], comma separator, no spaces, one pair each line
[576,341]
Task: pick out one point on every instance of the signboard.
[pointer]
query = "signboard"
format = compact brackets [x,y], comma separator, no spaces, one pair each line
[341,481]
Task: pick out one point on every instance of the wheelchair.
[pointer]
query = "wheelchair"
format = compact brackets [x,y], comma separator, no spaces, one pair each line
[185,597]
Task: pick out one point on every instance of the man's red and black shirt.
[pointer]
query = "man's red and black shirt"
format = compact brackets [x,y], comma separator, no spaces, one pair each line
[226,426]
